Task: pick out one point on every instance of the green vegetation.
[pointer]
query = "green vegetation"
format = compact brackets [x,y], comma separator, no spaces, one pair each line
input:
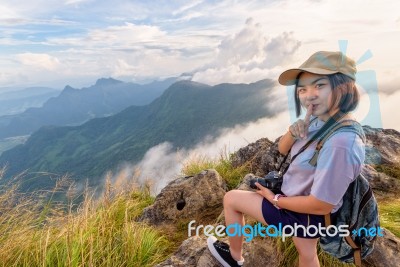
[185,114]
[391,170]
[389,211]
[8,143]
[223,165]
[37,231]
[98,233]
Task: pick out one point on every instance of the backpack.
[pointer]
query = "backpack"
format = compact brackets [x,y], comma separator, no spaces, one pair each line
[359,211]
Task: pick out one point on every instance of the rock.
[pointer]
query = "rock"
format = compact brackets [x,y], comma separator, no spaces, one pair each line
[383,146]
[263,252]
[262,156]
[194,252]
[193,198]
[381,182]
[386,251]
[189,253]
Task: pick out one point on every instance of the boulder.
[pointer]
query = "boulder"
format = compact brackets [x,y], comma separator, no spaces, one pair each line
[263,252]
[194,252]
[386,251]
[261,156]
[383,146]
[188,198]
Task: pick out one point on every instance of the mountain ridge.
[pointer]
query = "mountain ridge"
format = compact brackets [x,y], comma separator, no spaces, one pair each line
[184,114]
[75,106]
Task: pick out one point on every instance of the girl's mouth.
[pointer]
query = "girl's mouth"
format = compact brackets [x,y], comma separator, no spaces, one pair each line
[314,107]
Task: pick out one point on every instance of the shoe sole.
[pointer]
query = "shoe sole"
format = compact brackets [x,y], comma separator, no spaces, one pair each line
[210,243]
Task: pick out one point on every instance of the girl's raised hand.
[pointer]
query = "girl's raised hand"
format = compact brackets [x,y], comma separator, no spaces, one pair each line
[299,129]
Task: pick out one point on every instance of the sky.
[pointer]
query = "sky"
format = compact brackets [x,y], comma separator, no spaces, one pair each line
[56,43]
[75,42]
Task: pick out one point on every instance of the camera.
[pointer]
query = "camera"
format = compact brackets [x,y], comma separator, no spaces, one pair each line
[273,181]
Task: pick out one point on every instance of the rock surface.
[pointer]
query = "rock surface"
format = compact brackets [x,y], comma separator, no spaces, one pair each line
[194,252]
[196,197]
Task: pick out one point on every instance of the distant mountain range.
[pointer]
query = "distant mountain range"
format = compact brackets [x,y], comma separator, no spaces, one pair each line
[14,102]
[184,114]
[75,106]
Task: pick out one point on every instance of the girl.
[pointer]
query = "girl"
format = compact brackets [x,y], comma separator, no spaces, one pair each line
[325,87]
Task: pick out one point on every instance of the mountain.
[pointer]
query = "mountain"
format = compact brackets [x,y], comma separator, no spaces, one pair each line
[14,102]
[183,115]
[75,106]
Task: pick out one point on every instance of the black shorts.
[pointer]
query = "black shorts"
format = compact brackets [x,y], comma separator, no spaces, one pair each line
[282,217]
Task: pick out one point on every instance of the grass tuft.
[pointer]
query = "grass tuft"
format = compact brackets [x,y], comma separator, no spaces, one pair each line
[223,165]
[36,231]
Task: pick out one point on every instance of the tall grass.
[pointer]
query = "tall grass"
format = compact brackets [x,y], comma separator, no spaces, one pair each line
[37,232]
[223,165]
[389,211]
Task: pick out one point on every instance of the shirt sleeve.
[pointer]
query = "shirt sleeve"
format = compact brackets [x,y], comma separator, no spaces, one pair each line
[339,163]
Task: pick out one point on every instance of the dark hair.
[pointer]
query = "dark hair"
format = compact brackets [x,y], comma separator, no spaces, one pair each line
[345,94]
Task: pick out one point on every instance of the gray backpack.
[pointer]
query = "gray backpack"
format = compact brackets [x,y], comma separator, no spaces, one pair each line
[359,210]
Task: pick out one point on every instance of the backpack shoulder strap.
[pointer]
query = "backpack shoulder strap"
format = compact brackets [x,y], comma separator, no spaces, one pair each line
[351,125]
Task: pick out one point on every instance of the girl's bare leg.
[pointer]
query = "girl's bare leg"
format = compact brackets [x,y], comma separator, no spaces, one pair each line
[237,203]
[307,249]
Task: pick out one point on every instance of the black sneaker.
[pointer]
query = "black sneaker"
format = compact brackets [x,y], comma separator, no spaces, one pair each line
[221,252]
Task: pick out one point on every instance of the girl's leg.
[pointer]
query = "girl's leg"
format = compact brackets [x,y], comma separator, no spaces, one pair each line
[307,249]
[237,203]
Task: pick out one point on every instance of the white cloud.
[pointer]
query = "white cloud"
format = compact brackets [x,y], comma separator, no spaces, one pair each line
[248,55]
[390,112]
[75,2]
[44,61]
[141,40]
[187,7]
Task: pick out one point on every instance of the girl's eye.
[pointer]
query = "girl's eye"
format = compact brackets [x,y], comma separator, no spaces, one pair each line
[301,90]
[320,85]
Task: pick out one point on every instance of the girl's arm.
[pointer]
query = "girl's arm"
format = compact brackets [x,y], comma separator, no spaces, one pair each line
[297,130]
[305,204]
[302,204]
[285,143]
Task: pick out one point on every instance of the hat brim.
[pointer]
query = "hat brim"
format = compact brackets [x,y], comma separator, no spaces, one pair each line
[289,77]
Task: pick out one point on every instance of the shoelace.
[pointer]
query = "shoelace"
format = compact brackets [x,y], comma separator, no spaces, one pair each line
[222,246]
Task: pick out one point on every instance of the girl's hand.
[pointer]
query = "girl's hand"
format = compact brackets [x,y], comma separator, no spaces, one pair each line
[299,129]
[265,192]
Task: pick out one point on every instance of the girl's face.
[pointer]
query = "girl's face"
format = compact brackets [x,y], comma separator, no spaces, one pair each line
[315,90]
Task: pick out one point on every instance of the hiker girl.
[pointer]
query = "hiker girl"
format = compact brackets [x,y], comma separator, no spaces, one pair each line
[324,86]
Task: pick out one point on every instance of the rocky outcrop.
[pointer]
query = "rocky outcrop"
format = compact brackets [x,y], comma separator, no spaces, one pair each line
[194,252]
[196,197]
[386,252]
[203,194]
[384,141]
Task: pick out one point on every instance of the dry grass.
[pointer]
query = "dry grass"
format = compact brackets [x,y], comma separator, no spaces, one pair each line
[35,231]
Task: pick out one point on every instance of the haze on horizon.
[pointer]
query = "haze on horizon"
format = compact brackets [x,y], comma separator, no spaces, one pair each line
[75,42]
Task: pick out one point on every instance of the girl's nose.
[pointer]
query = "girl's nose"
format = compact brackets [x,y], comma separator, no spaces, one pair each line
[312,94]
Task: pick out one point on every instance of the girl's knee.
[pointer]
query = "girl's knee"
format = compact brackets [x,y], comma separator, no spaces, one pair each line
[306,248]
[230,197]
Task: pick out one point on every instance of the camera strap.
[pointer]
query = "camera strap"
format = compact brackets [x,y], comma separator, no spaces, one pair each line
[332,121]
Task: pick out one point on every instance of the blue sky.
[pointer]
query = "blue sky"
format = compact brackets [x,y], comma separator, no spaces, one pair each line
[59,42]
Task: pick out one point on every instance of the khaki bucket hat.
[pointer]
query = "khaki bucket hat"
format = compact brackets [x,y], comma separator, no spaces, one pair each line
[323,63]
